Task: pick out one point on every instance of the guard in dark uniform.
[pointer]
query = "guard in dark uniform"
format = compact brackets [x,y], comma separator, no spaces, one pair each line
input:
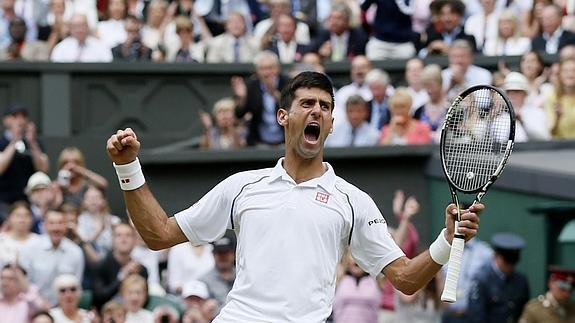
[556,305]
[498,292]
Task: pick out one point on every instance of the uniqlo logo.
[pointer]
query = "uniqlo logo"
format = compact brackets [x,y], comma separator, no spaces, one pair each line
[322,197]
[125,180]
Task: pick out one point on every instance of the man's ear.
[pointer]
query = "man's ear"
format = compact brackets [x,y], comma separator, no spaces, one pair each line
[282,117]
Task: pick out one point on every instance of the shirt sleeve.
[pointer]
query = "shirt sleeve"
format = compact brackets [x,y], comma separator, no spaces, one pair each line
[372,246]
[208,219]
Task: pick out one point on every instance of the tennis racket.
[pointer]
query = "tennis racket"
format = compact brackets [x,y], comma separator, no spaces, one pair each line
[476,141]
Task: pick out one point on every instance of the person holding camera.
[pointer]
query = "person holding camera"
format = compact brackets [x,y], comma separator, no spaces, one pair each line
[132,49]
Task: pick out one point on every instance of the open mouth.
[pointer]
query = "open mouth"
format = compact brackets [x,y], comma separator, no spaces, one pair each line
[311,132]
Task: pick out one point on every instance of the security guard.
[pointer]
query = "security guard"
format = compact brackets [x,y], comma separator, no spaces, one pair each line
[556,305]
[498,292]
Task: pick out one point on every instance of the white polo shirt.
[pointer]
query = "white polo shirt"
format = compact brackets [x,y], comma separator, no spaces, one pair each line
[290,239]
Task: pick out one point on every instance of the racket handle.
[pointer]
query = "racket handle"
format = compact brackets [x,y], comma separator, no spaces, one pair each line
[450,289]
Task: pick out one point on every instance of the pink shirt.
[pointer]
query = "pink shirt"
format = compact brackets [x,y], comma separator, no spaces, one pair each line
[356,301]
[18,311]
[420,135]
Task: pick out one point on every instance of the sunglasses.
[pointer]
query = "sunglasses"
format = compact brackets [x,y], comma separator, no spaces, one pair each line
[72,289]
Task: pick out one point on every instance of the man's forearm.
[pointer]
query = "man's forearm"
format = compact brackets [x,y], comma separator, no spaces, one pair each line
[39,158]
[410,275]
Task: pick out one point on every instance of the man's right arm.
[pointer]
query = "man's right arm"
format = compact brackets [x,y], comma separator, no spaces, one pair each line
[157,229]
[6,156]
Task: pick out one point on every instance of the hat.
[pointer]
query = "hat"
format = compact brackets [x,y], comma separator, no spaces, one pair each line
[14,109]
[563,277]
[507,241]
[225,243]
[36,181]
[515,81]
[195,288]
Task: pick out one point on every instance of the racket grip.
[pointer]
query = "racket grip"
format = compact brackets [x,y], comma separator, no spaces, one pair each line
[450,289]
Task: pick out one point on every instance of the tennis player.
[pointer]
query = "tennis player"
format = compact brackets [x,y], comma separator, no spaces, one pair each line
[292,221]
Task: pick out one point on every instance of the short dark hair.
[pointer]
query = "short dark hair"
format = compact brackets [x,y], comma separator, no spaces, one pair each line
[355,100]
[306,79]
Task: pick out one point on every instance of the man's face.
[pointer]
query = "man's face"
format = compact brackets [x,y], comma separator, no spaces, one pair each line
[79,28]
[16,121]
[378,90]
[460,56]
[517,98]
[413,70]
[55,225]
[69,296]
[224,259]
[132,31]
[559,292]
[550,19]
[20,219]
[123,239]
[236,25]
[18,30]
[449,18]
[356,114]
[337,22]
[308,122]
[286,28]
[360,66]
[267,70]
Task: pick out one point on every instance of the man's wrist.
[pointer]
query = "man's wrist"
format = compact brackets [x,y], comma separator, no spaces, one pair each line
[440,249]
[130,175]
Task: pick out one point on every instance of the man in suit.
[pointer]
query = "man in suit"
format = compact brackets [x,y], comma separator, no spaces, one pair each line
[450,14]
[552,37]
[258,100]
[284,43]
[339,42]
[233,46]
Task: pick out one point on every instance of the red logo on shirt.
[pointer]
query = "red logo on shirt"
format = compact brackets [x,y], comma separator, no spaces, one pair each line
[322,197]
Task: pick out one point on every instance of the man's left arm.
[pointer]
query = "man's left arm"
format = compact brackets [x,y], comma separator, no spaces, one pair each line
[39,158]
[410,275]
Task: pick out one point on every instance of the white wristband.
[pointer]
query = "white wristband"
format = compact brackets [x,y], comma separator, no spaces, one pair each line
[130,175]
[440,249]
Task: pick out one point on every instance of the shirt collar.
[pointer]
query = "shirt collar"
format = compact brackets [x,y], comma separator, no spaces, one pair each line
[556,34]
[326,181]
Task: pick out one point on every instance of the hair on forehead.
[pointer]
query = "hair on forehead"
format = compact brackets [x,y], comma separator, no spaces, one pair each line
[308,79]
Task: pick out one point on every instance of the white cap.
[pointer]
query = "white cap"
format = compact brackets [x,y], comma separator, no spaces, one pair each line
[37,180]
[515,81]
[195,288]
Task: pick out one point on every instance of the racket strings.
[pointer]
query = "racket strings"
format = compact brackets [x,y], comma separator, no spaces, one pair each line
[477,131]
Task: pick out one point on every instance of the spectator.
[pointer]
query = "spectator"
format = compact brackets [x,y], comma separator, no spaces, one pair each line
[80,46]
[560,105]
[13,306]
[360,66]
[16,233]
[531,122]
[450,18]
[356,296]
[378,83]
[507,41]
[150,259]
[137,8]
[21,49]
[134,292]
[194,293]
[187,262]
[433,112]
[116,265]
[339,41]
[52,255]
[402,128]
[21,155]
[552,37]
[69,291]
[56,27]
[85,8]
[111,31]
[284,43]
[43,195]
[461,72]
[74,177]
[357,131]
[188,50]
[113,312]
[227,133]
[276,8]
[219,12]
[393,33]
[7,14]
[168,314]
[498,292]
[221,278]
[95,223]
[156,20]
[533,68]
[483,25]
[314,60]
[260,98]
[531,19]
[233,46]
[132,49]
[555,305]
[413,69]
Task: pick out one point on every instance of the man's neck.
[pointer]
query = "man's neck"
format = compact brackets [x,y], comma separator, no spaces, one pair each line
[302,170]
[122,258]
